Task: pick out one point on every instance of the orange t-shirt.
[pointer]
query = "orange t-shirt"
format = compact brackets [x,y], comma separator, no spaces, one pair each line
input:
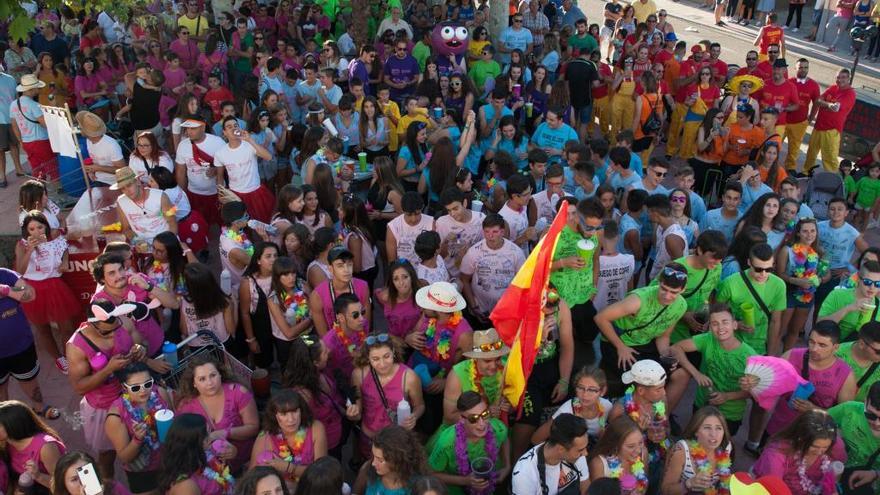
[739,139]
[781,175]
[648,101]
[771,35]
[712,154]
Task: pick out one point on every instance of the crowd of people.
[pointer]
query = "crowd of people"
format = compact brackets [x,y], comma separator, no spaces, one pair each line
[345,215]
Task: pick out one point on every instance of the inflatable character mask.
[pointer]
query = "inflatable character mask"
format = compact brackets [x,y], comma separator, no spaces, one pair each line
[450,38]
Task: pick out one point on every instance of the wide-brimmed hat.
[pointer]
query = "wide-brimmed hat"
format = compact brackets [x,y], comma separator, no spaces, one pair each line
[487,345]
[124,177]
[757,83]
[28,82]
[441,297]
[90,124]
[192,122]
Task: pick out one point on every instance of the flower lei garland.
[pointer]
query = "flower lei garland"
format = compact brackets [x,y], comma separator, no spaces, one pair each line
[298,301]
[489,393]
[157,273]
[145,415]
[218,471]
[659,408]
[806,483]
[578,409]
[703,465]
[805,266]
[636,470]
[291,453]
[346,342]
[437,345]
[240,239]
[461,455]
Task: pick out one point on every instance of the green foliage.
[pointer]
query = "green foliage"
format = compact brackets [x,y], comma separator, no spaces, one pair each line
[22,24]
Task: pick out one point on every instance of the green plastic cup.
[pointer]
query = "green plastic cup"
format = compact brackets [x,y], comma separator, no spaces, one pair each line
[585,249]
[748,310]
[866,313]
[362,161]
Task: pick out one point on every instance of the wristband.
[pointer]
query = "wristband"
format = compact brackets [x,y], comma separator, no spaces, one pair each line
[150,286]
[187,251]
[252,339]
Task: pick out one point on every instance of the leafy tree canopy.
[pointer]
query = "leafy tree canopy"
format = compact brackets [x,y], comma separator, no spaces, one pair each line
[21,23]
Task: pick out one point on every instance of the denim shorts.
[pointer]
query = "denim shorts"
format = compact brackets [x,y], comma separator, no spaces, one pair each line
[584,113]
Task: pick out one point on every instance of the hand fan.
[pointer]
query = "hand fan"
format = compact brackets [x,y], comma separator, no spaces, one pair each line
[776,376]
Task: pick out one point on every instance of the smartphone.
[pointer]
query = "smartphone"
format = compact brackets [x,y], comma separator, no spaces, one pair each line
[88,476]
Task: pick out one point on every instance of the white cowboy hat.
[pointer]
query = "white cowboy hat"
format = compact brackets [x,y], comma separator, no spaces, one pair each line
[28,82]
[441,297]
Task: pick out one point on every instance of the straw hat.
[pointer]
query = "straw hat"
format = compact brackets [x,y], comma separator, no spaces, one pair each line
[124,177]
[441,297]
[29,82]
[757,83]
[90,124]
[487,345]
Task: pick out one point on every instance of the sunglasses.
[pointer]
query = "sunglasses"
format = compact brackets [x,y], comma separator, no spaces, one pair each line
[517,20]
[773,52]
[184,33]
[678,199]
[751,59]
[376,339]
[147,385]
[758,269]
[662,15]
[258,38]
[871,417]
[867,282]
[587,228]
[474,418]
[672,272]
[493,346]
[357,314]
[659,174]
[455,84]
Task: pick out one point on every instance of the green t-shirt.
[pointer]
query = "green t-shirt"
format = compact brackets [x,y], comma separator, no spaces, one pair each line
[421,52]
[482,70]
[694,300]
[837,300]
[243,64]
[734,292]
[849,185]
[725,368]
[442,457]
[867,191]
[574,286]
[491,384]
[649,308]
[857,435]
[845,352]
[586,44]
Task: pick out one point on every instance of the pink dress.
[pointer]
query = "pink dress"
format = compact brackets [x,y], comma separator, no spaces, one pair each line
[401,317]
[18,458]
[148,327]
[150,461]
[326,407]
[775,461]
[235,399]
[827,382]
[361,289]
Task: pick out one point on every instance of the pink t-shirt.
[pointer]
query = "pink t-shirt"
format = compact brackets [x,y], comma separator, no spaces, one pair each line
[173,77]
[776,461]
[103,396]
[827,382]
[18,458]
[188,53]
[235,399]
[87,84]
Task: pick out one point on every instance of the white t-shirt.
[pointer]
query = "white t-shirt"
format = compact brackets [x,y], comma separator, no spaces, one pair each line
[241,166]
[406,234]
[197,174]
[526,480]
[180,201]
[546,205]
[139,167]
[226,247]
[614,274]
[517,222]
[45,261]
[663,256]
[593,427]
[491,270]
[431,275]
[466,235]
[104,153]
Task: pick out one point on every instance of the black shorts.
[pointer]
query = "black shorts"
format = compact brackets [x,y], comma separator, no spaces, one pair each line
[142,481]
[23,366]
[7,137]
[539,391]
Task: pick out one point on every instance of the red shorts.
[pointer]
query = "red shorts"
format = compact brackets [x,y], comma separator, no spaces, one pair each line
[193,230]
[43,160]
[260,203]
[207,205]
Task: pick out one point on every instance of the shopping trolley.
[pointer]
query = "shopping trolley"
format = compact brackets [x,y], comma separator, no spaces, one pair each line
[209,346]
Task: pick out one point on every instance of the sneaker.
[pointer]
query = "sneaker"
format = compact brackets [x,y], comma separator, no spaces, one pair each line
[62,365]
[720,24]
[785,28]
[794,30]
[753,450]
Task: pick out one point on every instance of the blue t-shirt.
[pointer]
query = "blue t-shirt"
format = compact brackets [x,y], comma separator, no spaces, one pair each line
[276,84]
[805,212]
[512,39]
[698,207]
[581,194]
[729,266]
[30,111]
[489,112]
[620,183]
[660,189]
[775,238]
[750,195]
[635,164]
[508,146]
[217,128]
[407,155]
[304,90]
[545,137]
[17,336]
[716,221]
[627,224]
[839,244]
[7,96]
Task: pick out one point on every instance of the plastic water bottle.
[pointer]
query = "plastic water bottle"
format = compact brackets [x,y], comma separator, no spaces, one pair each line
[290,315]
[26,482]
[226,282]
[169,350]
[403,411]
[254,224]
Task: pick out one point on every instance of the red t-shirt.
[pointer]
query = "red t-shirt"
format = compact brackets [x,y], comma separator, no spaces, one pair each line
[767,69]
[827,120]
[769,36]
[602,90]
[688,68]
[662,57]
[719,68]
[808,92]
[214,98]
[757,72]
[781,96]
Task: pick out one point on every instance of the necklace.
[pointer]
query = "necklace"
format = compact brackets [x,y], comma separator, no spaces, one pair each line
[656,451]
[579,410]
[702,464]
[296,304]
[346,342]
[291,453]
[217,471]
[805,266]
[462,460]
[239,239]
[806,483]
[437,345]
[489,389]
[146,415]
[636,475]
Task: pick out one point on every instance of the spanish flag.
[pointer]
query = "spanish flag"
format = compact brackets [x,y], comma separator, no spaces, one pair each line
[518,317]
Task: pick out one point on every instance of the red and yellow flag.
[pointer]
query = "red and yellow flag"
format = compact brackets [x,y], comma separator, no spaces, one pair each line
[518,317]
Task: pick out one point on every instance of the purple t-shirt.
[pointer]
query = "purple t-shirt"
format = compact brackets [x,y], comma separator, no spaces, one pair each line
[357,68]
[17,336]
[400,70]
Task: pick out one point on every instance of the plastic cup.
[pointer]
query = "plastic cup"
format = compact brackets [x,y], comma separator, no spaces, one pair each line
[585,249]
[748,311]
[866,313]
[260,382]
[477,205]
[362,161]
[328,124]
[438,113]
[345,140]
[424,375]
[482,467]
[837,467]
[163,419]
[517,90]
[530,107]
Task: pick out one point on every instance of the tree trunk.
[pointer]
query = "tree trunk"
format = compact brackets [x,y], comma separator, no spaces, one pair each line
[360,12]
[498,15]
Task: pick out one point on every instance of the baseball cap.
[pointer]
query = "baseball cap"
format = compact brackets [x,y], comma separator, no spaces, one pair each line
[697,48]
[780,63]
[647,372]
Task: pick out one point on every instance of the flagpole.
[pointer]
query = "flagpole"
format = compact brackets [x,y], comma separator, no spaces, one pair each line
[79,154]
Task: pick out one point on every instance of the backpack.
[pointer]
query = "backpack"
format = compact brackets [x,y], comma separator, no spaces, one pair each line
[821,189]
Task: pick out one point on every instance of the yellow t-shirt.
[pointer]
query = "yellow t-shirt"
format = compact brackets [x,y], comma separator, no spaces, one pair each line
[406,120]
[641,11]
[203,25]
[391,110]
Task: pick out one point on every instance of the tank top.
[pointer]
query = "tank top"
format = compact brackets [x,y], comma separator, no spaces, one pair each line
[215,324]
[663,255]
[490,386]
[323,267]
[151,456]
[688,470]
[401,317]
[102,396]
[144,107]
[45,260]
[368,251]
[278,441]
[328,297]
[235,399]
[375,415]
[327,406]
[148,221]
[148,327]
[18,458]
[309,222]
